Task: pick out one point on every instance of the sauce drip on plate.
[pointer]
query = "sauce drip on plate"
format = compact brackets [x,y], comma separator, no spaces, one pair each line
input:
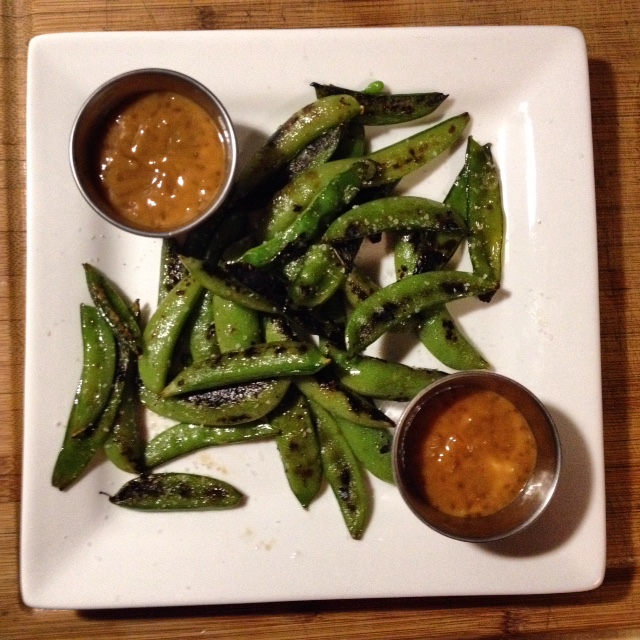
[473,452]
[162,161]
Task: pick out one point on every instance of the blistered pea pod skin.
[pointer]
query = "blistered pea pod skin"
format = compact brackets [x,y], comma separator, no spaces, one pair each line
[225,407]
[325,391]
[177,492]
[184,438]
[395,213]
[203,341]
[291,137]
[378,378]
[371,446]
[317,152]
[343,472]
[400,300]
[237,326]
[259,362]
[99,362]
[485,214]
[384,109]
[163,331]
[313,220]
[171,268]
[298,447]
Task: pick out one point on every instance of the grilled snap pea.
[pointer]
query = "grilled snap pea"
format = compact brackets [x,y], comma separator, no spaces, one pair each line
[113,309]
[378,378]
[237,327]
[393,163]
[396,213]
[484,213]
[326,392]
[228,406]
[298,447]
[371,446]
[381,109]
[400,300]
[163,331]
[176,492]
[311,222]
[343,472]
[98,370]
[316,152]
[261,361]
[290,138]
[184,438]
[171,268]
[441,335]
[202,339]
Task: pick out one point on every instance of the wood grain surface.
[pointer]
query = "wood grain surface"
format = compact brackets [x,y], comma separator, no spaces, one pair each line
[612,31]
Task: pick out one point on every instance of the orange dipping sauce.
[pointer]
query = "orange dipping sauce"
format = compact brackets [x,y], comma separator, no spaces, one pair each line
[162,161]
[473,452]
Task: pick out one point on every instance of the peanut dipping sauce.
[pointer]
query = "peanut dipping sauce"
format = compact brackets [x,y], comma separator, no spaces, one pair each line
[473,452]
[162,161]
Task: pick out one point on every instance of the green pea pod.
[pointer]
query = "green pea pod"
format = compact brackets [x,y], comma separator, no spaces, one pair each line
[226,407]
[177,492]
[290,138]
[312,222]
[184,438]
[202,338]
[371,446]
[163,331]
[404,298]
[485,214]
[343,472]
[320,274]
[259,362]
[444,339]
[317,152]
[377,378]
[222,285]
[353,143]
[358,287]
[394,162]
[125,446]
[421,251]
[327,392]
[396,213]
[99,362]
[238,327]
[298,446]
[171,268]
[385,109]
[113,309]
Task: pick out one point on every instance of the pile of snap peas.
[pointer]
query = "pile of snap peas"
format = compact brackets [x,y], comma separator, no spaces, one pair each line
[264,314]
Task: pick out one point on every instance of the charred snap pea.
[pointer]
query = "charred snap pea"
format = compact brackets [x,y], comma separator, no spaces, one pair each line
[377,378]
[176,492]
[228,406]
[98,370]
[184,438]
[316,152]
[114,309]
[163,331]
[312,222]
[290,138]
[171,268]
[319,274]
[394,162]
[326,392]
[237,327]
[484,213]
[371,446]
[298,446]
[222,285]
[259,362]
[396,213]
[381,109]
[445,340]
[400,300]
[202,339]
[343,472]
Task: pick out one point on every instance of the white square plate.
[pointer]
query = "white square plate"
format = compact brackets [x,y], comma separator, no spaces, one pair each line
[527,91]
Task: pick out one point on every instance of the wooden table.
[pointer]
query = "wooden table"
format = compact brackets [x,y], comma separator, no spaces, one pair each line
[612,31]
